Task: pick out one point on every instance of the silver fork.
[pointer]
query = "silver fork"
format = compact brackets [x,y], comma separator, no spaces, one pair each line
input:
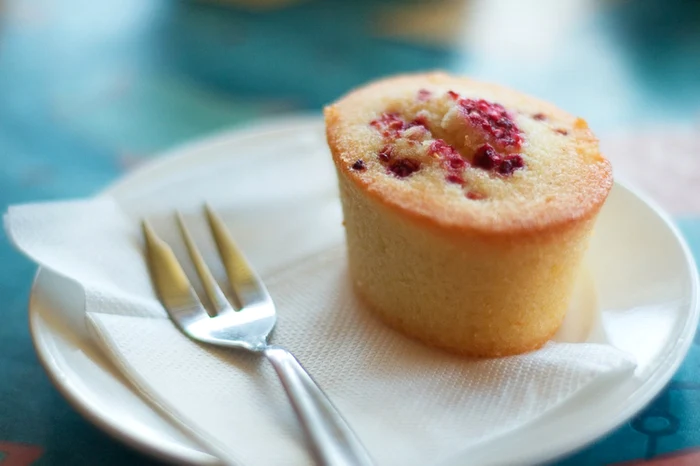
[330,439]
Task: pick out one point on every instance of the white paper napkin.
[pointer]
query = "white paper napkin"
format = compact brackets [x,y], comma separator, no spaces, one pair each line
[410,404]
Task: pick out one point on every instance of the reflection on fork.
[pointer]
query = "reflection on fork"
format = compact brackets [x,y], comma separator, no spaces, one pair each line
[246,324]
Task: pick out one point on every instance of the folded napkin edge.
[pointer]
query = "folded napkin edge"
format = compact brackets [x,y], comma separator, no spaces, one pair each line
[140,387]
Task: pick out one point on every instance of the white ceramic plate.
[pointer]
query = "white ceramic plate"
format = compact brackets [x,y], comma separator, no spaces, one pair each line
[277,181]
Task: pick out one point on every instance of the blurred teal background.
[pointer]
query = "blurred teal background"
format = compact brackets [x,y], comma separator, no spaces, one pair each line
[91,89]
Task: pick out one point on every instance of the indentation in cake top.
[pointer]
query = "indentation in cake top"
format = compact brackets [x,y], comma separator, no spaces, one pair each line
[486,157]
[452,160]
[403,167]
[392,124]
[385,153]
[459,133]
[510,163]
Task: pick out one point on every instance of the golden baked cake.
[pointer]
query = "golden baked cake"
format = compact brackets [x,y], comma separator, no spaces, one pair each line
[467,207]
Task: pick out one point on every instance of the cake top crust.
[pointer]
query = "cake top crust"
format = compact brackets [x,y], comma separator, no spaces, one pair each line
[464,155]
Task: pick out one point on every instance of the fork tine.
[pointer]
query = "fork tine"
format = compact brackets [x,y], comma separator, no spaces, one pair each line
[249,289]
[172,286]
[211,288]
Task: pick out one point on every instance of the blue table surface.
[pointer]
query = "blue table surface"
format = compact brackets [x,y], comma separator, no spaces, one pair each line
[90,90]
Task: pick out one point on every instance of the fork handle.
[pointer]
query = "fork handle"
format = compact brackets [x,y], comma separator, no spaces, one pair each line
[330,438]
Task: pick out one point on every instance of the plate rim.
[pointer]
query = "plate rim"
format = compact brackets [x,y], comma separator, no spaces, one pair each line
[667,368]
[85,408]
[644,393]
